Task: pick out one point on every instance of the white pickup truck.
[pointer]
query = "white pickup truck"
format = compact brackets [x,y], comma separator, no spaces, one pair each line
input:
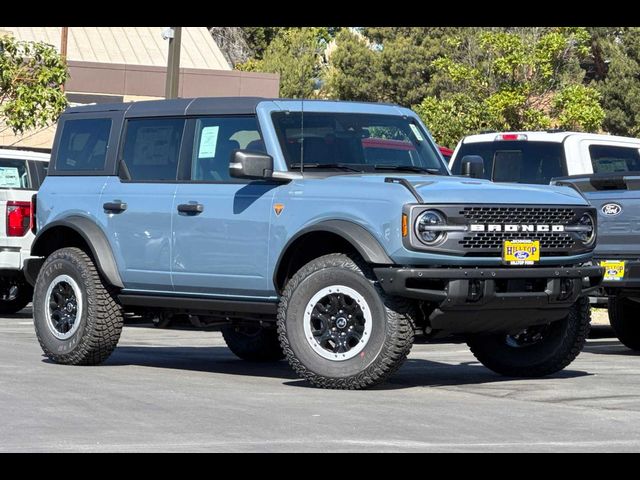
[606,170]
[21,173]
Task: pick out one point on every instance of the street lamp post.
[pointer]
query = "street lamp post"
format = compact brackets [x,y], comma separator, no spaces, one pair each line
[174,35]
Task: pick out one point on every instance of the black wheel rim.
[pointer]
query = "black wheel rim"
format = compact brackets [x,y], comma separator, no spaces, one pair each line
[63,307]
[337,322]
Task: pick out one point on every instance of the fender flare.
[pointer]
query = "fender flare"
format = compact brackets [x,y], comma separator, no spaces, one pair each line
[360,238]
[94,237]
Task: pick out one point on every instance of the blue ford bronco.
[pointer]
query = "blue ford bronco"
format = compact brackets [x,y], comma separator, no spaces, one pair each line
[329,233]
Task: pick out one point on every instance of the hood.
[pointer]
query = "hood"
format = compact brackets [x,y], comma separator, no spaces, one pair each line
[450,189]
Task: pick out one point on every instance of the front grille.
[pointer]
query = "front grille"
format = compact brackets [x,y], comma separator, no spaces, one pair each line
[559,243]
[494,240]
[556,216]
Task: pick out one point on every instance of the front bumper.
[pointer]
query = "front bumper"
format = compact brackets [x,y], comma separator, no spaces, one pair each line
[491,299]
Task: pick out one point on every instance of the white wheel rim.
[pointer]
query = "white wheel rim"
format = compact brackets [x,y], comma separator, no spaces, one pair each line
[70,306]
[346,324]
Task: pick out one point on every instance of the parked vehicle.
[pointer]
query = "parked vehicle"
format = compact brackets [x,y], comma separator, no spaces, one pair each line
[328,232]
[21,173]
[606,170]
[446,153]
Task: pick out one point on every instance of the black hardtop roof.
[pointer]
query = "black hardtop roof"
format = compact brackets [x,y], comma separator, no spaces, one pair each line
[178,106]
[185,106]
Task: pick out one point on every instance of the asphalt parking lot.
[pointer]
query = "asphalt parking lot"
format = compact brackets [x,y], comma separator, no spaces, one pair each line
[182,390]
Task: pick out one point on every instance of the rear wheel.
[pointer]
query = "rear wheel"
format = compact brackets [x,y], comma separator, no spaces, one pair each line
[15,294]
[536,351]
[338,328]
[624,317]
[76,315]
[253,343]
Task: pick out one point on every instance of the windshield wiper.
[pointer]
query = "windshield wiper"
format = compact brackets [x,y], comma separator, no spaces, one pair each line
[343,166]
[408,168]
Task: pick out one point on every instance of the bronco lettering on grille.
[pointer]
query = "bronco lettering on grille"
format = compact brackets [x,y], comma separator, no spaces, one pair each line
[515,228]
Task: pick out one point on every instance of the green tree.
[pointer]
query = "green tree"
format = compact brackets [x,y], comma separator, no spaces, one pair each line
[352,69]
[620,88]
[31,78]
[513,80]
[296,54]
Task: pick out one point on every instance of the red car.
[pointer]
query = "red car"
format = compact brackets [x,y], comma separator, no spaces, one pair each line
[446,153]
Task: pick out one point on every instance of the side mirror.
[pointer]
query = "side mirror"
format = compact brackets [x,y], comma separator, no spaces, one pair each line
[473,166]
[251,164]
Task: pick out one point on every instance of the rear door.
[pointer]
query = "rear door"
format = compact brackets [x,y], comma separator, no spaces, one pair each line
[137,204]
[222,246]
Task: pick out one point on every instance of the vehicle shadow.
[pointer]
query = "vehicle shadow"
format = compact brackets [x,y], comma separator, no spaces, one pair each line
[414,372]
[612,347]
[25,313]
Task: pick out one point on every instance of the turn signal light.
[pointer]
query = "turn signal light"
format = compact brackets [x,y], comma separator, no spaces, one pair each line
[405,225]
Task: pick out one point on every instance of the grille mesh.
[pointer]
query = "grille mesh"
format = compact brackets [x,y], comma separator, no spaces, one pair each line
[516,215]
[554,241]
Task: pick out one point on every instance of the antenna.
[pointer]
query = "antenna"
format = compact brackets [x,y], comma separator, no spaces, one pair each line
[302,137]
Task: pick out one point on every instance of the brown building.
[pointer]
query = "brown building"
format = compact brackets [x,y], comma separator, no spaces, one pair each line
[124,64]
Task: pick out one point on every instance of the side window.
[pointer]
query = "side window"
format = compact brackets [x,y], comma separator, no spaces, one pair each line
[152,148]
[83,145]
[215,140]
[14,174]
[610,159]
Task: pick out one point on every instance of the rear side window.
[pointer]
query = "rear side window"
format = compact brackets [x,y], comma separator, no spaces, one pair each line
[516,161]
[83,145]
[152,148]
[610,159]
[14,174]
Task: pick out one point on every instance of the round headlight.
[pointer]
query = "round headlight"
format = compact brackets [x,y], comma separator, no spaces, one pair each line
[427,225]
[587,236]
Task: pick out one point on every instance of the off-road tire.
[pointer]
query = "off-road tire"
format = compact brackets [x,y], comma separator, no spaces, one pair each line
[101,316]
[624,317]
[21,300]
[391,337]
[253,344]
[562,343]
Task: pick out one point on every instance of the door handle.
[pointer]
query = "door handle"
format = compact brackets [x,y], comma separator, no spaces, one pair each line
[115,207]
[194,208]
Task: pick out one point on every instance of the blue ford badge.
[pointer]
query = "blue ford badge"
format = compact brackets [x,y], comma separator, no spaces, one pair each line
[522,255]
[611,209]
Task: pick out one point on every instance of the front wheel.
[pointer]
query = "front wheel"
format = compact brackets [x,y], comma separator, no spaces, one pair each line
[538,350]
[338,328]
[76,315]
[624,317]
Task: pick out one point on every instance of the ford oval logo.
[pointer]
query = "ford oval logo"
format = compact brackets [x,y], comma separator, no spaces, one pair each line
[522,255]
[611,209]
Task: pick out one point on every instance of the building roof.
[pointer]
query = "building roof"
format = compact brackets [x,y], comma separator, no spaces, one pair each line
[129,45]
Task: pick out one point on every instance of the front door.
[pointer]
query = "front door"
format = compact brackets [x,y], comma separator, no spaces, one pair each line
[221,224]
[138,205]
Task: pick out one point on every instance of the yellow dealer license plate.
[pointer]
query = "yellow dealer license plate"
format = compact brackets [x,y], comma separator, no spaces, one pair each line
[613,269]
[521,252]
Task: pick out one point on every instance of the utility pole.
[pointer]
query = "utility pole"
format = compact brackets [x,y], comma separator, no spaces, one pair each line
[64,37]
[173,63]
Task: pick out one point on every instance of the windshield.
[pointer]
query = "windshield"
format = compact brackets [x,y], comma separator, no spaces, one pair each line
[356,142]
[13,174]
[515,161]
